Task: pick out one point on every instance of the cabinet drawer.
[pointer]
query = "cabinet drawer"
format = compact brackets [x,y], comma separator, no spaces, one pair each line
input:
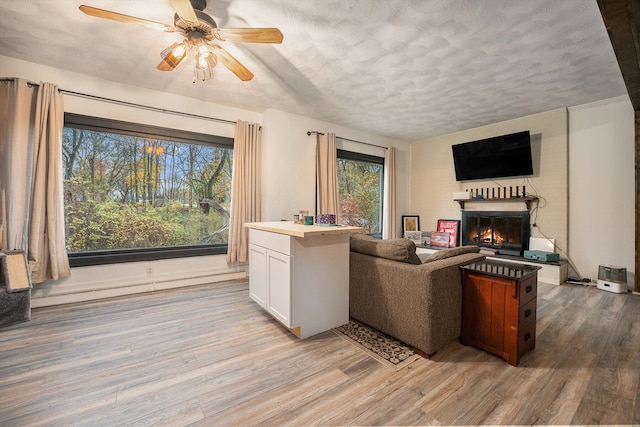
[526,339]
[528,290]
[527,313]
[274,241]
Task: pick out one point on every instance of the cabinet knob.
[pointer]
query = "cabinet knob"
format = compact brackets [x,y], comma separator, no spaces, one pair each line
[527,336]
[529,288]
[527,312]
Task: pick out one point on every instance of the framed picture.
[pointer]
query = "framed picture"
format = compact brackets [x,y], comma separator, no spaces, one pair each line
[416,236]
[426,238]
[451,226]
[410,223]
[441,239]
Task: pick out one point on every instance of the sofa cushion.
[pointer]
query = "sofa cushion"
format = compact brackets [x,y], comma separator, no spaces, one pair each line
[403,250]
[451,252]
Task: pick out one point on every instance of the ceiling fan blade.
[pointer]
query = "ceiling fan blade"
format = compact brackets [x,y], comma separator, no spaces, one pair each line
[184,10]
[120,17]
[233,64]
[251,35]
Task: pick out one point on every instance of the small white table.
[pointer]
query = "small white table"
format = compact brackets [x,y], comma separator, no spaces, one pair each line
[300,274]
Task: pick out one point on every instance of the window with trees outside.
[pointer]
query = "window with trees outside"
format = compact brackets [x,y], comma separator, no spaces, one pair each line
[360,186]
[134,192]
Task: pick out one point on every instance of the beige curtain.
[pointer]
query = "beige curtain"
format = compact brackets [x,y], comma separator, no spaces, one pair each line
[390,218]
[245,190]
[31,123]
[327,174]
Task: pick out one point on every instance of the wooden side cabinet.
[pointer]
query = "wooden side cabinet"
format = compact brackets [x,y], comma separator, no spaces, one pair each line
[499,308]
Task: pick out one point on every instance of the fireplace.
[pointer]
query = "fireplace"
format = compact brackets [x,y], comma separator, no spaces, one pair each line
[505,231]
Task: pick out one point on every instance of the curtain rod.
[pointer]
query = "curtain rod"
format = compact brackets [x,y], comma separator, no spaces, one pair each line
[128,104]
[309,132]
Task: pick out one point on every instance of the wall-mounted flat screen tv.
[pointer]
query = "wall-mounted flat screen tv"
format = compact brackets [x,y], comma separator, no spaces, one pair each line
[496,157]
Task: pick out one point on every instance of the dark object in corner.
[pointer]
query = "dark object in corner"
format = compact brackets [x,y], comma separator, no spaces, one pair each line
[15,289]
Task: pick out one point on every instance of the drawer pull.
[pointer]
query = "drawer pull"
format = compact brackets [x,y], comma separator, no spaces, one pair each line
[529,288]
[527,336]
[527,312]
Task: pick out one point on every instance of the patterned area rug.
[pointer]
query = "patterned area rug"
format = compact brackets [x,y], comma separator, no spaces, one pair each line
[383,348]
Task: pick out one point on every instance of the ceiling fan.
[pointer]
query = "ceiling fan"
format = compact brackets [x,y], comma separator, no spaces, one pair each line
[201,34]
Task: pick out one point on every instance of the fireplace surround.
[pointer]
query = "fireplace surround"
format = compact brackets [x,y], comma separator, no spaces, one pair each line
[506,231]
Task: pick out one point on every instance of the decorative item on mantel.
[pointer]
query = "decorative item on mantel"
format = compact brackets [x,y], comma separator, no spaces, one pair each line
[491,193]
[495,194]
[461,195]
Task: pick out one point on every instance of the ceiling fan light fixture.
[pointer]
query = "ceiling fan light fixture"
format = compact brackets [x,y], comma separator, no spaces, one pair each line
[199,30]
[174,54]
[204,68]
[206,61]
[202,74]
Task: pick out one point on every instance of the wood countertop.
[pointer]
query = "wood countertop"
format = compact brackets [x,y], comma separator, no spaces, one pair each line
[298,230]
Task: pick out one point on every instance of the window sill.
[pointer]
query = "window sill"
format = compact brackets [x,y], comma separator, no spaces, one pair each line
[83,259]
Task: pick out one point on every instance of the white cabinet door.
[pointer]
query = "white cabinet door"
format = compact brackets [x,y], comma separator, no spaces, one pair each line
[258,274]
[279,286]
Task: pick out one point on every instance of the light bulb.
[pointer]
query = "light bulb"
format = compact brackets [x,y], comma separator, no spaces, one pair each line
[202,61]
[205,59]
[174,54]
[179,51]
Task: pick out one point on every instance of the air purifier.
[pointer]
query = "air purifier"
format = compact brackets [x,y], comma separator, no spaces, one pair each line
[612,279]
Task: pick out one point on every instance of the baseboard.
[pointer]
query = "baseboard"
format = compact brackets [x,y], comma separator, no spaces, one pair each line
[69,298]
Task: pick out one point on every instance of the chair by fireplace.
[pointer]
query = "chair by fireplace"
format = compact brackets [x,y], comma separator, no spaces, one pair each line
[506,231]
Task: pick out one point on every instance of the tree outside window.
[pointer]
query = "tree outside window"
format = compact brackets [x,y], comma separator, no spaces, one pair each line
[360,183]
[131,191]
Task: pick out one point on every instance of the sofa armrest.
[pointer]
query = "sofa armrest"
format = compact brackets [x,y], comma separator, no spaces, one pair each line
[443,311]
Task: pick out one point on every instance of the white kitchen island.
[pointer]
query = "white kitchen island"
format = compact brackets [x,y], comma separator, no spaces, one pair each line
[300,274]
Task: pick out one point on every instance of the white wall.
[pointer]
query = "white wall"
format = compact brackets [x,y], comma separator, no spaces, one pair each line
[10,67]
[433,177]
[602,186]
[584,172]
[104,281]
[287,162]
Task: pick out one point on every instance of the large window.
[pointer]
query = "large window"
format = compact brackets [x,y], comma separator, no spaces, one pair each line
[135,192]
[360,183]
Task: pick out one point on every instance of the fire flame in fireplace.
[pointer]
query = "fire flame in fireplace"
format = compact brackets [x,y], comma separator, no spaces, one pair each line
[503,230]
[484,237]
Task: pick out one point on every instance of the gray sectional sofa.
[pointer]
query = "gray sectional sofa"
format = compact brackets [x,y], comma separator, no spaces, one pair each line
[393,292]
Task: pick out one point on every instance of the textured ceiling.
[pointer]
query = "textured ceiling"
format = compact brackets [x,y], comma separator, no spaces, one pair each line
[404,69]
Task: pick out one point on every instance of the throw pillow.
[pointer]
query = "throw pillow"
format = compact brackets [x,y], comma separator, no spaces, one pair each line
[451,252]
[403,250]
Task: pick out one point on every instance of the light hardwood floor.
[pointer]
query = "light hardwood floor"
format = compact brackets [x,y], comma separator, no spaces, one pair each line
[209,356]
